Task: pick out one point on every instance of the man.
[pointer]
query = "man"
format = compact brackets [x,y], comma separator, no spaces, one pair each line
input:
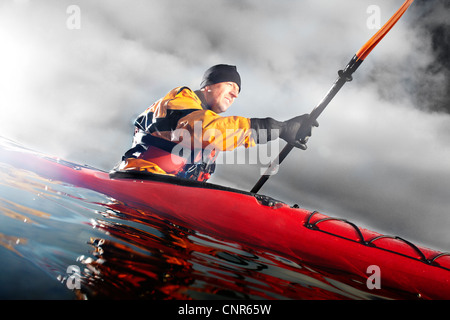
[182,133]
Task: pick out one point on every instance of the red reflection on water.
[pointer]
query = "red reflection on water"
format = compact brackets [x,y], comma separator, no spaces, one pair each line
[159,260]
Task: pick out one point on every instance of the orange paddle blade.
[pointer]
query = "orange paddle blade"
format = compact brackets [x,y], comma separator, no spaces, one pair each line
[369,45]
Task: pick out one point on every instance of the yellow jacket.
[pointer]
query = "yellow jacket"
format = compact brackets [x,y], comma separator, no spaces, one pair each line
[181,118]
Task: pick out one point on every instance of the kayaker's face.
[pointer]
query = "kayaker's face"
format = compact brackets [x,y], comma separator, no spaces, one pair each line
[220,96]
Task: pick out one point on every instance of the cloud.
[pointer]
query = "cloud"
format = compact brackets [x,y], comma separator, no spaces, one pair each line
[378,157]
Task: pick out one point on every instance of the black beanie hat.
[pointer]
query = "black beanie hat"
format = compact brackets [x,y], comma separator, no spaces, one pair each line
[221,73]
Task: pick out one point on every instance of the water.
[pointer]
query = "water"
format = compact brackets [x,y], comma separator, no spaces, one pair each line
[58,241]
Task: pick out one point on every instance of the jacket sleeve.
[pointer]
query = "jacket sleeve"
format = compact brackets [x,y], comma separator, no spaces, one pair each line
[208,129]
[202,128]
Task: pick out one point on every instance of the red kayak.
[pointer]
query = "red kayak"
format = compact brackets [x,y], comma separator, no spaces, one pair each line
[260,222]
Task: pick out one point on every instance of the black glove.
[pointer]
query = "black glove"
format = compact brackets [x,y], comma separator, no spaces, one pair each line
[296,131]
[291,130]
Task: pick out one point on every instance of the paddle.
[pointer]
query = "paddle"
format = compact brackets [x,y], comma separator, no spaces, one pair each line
[344,76]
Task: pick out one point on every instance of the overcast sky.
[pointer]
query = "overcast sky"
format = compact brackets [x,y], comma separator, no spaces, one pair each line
[73,79]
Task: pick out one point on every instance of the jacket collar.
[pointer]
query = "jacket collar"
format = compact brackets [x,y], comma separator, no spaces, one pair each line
[201,96]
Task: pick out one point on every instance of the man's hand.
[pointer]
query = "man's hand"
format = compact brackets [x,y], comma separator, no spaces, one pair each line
[296,131]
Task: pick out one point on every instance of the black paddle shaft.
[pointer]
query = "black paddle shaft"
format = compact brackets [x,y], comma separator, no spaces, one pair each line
[344,76]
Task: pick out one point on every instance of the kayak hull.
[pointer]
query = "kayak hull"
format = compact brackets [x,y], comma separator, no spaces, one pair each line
[260,222]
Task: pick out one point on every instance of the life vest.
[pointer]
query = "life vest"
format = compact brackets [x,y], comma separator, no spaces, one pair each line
[157,156]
